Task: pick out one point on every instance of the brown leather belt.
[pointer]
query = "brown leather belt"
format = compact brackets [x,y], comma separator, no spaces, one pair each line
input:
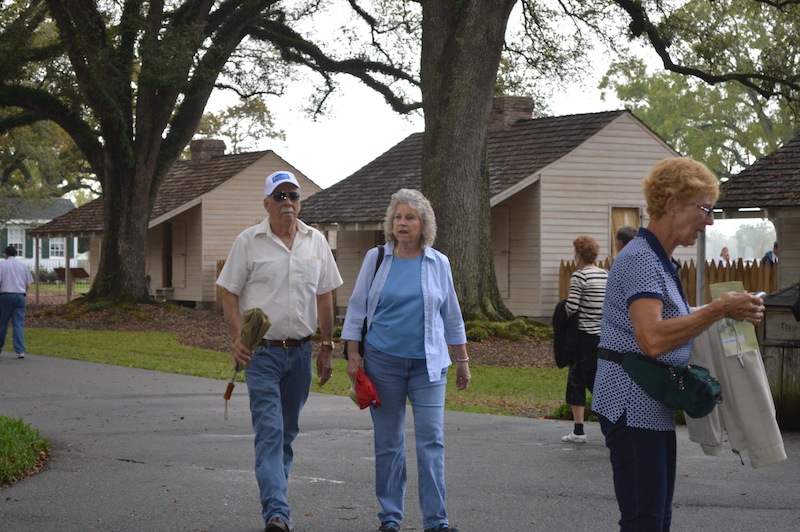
[284,343]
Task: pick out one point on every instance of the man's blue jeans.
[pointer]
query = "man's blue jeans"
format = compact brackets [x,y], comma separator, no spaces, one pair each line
[644,464]
[278,381]
[395,379]
[12,308]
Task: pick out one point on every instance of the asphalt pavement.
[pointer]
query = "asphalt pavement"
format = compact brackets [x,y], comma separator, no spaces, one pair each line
[140,450]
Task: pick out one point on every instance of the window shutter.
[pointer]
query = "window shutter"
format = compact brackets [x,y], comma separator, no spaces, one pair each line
[28,246]
[45,248]
[4,238]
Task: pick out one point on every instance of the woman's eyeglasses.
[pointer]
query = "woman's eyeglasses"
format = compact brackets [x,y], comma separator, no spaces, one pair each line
[708,210]
[281,196]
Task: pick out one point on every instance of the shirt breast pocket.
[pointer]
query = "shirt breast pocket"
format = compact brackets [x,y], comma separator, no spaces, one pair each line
[312,267]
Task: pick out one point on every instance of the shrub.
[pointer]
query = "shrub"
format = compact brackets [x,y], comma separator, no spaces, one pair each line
[47,276]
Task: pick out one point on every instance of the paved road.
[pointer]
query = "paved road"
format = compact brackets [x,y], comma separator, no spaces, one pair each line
[138,450]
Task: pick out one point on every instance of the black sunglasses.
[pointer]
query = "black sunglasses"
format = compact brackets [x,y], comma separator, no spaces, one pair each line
[281,196]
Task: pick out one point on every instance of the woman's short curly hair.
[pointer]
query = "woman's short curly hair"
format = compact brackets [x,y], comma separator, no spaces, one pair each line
[586,248]
[418,202]
[680,177]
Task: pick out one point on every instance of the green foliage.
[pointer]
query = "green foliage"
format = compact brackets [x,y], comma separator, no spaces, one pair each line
[47,276]
[727,126]
[242,126]
[21,449]
[479,330]
[743,102]
[40,160]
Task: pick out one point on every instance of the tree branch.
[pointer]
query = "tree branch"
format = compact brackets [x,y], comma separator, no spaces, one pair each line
[760,82]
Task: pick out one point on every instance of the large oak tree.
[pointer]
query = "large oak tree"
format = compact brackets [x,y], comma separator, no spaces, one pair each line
[129,80]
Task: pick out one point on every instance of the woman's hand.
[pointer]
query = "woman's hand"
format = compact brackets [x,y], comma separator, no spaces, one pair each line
[354,360]
[742,306]
[463,375]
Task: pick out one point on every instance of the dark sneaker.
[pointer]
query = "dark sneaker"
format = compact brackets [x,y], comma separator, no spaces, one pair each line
[389,526]
[442,527]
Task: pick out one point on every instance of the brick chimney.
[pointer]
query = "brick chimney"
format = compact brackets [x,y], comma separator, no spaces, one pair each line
[508,109]
[204,149]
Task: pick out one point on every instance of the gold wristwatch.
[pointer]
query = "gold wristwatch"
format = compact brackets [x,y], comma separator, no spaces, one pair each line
[333,345]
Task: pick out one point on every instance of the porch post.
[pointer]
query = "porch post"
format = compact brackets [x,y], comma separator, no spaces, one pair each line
[36,242]
[67,272]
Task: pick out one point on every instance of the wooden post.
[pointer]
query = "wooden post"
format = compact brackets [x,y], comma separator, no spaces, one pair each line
[67,272]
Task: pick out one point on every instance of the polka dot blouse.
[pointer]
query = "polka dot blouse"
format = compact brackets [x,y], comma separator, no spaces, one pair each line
[641,270]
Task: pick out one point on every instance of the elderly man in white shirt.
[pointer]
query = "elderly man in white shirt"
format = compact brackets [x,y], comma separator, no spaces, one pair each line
[285,268]
[15,278]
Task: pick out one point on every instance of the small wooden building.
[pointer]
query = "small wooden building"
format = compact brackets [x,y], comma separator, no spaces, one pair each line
[203,204]
[551,180]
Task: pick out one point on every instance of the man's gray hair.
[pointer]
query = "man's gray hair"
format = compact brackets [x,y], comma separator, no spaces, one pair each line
[418,202]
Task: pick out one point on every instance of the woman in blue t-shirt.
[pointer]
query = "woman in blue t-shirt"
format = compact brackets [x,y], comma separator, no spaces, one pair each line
[645,311]
[412,316]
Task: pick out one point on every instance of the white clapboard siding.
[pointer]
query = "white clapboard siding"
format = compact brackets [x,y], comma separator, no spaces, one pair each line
[210,225]
[352,246]
[576,195]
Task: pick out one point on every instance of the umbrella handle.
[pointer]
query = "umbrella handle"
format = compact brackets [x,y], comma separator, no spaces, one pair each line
[229,391]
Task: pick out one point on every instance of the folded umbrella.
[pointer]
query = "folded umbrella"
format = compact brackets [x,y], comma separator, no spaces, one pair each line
[363,392]
[255,325]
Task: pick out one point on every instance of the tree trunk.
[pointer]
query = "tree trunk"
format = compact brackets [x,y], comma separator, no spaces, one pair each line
[126,212]
[461,47]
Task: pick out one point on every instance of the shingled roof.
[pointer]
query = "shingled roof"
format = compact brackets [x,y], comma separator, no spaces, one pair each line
[515,153]
[33,210]
[771,181]
[186,181]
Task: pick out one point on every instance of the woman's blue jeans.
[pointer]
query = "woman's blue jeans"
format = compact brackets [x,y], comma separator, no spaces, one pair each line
[644,463]
[12,308]
[396,379]
[278,381]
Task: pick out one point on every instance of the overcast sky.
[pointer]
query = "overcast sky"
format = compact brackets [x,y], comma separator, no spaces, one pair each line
[361,126]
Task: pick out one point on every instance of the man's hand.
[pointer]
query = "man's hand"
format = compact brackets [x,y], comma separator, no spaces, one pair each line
[325,364]
[240,354]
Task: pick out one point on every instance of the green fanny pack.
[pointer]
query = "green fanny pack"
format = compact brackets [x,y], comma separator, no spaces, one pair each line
[690,388]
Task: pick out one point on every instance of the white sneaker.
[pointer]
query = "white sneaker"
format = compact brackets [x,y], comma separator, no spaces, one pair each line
[20,355]
[574,438]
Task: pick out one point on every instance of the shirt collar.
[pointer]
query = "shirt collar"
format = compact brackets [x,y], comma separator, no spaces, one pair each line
[264,227]
[670,265]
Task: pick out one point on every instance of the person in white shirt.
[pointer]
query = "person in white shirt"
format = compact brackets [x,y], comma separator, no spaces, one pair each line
[285,268]
[724,258]
[15,278]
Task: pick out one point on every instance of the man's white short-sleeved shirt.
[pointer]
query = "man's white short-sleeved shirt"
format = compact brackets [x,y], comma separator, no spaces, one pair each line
[282,282]
[15,277]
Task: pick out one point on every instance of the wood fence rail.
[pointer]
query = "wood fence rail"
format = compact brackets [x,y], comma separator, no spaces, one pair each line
[754,277]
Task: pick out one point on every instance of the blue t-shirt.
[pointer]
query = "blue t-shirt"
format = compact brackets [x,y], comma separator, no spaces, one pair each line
[398,324]
[641,270]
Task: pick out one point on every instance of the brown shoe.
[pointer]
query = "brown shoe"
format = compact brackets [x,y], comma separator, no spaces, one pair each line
[276,524]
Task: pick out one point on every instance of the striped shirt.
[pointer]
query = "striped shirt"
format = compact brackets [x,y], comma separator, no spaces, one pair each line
[587,289]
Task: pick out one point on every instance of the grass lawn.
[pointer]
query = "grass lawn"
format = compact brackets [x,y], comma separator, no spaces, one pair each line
[517,391]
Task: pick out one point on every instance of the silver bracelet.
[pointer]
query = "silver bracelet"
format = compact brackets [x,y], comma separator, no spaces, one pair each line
[462,359]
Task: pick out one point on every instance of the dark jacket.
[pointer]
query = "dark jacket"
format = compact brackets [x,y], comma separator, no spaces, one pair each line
[565,335]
